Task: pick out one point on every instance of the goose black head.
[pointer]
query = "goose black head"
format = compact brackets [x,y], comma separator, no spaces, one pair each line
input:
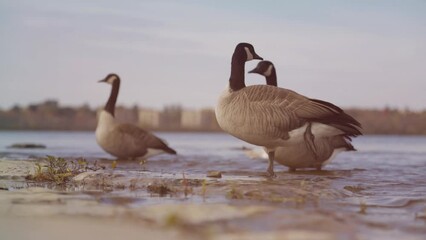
[245,52]
[110,78]
[263,68]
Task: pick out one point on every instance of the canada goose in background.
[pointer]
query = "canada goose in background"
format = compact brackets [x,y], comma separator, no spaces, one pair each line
[301,155]
[275,117]
[123,140]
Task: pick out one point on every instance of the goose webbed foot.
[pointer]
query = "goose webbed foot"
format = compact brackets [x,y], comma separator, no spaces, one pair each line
[270,173]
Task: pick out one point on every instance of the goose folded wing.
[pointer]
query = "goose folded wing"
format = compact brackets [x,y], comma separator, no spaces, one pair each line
[288,101]
[286,110]
[139,137]
[315,110]
[272,110]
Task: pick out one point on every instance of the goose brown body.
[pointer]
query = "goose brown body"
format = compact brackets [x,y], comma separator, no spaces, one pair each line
[275,117]
[267,116]
[307,154]
[123,140]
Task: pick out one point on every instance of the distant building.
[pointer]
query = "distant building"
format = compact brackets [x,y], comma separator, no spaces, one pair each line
[191,119]
[48,105]
[171,116]
[208,119]
[127,115]
[149,118]
[203,119]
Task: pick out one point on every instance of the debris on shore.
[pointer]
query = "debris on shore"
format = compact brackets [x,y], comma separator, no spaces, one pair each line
[27,145]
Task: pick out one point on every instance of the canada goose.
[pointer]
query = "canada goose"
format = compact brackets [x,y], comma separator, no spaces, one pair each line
[123,140]
[301,155]
[275,117]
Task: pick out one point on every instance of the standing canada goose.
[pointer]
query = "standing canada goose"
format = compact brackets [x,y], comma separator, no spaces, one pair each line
[275,117]
[301,155]
[123,140]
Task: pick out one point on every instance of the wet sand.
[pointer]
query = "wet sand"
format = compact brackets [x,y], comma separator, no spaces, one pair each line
[148,202]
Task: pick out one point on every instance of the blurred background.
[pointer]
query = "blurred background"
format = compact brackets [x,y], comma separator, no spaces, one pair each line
[173,58]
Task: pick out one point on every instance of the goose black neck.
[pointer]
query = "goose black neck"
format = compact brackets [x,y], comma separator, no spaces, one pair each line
[110,105]
[236,81]
[272,78]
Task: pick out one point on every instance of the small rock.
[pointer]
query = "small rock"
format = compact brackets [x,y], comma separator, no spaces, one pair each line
[354,189]
[160,189]
[214,174]
[421,215]
[27,145]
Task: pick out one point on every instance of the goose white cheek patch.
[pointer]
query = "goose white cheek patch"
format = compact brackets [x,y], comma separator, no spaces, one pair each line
[268,72]
[111,79]
[249,55]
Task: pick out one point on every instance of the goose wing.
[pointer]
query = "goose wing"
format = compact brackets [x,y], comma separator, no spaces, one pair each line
[285,100]
[139,138]
[287,110]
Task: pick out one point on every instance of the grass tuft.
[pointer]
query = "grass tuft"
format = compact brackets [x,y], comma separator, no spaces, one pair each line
[160,189]
[234,193]
[362,207]
[58,170]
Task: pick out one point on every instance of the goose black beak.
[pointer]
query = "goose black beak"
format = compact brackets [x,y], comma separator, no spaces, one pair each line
[255,56]
[103,80]
[255,70]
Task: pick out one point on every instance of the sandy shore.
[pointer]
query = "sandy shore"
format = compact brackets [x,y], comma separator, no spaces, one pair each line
[140,204]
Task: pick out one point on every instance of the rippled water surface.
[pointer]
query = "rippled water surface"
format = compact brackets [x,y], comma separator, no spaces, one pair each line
[387,175]
[394,158]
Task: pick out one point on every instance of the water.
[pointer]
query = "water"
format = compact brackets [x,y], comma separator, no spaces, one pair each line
[76,144]
[390,168]
[385,154]
[386,174]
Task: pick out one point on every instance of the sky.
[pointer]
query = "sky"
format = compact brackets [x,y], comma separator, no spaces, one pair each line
[359,53]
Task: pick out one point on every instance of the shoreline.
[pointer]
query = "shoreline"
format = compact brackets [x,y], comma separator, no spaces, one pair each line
[240,205]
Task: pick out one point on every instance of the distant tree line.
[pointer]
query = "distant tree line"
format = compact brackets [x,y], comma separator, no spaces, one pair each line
[49,115]
[390,121]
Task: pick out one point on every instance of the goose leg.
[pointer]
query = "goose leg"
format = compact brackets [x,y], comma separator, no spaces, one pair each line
[310,141]
[270,170]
